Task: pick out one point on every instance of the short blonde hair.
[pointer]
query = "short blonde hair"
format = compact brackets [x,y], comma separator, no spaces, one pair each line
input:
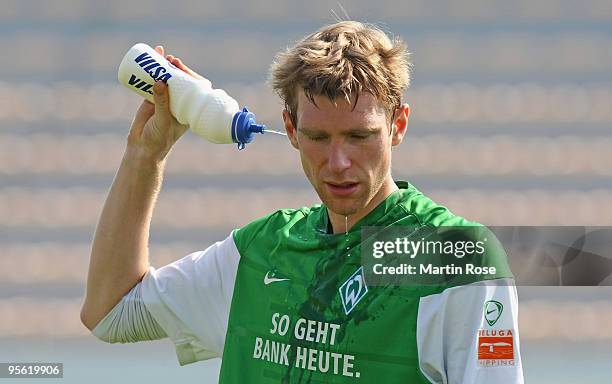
[343,59]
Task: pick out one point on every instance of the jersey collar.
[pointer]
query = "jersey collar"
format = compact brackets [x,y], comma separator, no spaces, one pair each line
[382,210]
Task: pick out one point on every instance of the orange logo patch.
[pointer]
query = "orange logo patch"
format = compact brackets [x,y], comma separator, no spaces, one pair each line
[495,347]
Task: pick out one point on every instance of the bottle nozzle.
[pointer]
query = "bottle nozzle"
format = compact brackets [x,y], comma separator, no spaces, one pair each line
[244,127]
[257,128]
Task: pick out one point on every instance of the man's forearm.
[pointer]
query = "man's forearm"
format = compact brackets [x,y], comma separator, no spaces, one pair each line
[119,256]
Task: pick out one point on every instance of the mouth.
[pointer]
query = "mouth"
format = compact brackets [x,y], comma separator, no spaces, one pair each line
[342,189]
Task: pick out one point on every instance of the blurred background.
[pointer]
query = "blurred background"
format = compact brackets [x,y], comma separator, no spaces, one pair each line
[511,116]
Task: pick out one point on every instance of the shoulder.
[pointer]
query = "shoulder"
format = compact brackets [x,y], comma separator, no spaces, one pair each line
[269,224]
[428,212]
[472,242]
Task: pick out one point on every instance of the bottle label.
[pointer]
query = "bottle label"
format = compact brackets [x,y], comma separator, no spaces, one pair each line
[152,67]
[142,64]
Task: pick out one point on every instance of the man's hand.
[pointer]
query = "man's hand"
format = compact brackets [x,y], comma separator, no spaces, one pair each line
[154,130]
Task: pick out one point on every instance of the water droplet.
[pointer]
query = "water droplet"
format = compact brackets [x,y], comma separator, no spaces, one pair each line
[346,225]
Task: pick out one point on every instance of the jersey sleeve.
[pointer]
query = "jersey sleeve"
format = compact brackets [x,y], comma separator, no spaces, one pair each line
[129,321]
[469,334]
[190,299]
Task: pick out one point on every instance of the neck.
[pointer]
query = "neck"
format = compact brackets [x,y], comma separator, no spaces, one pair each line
[342,223]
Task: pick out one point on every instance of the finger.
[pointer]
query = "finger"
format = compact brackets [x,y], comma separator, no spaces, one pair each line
[162,103]
[143,114]
[180,65]
[160,49]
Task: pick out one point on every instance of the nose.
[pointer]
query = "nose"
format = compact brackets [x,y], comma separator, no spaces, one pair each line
[339,159]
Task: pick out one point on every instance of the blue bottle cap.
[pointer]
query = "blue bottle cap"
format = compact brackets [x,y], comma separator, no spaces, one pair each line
[244,128]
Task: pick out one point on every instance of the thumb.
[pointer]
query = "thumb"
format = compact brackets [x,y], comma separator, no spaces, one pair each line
[162,104]
[160,96]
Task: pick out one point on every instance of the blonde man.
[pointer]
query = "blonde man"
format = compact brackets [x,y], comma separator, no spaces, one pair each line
[285,299]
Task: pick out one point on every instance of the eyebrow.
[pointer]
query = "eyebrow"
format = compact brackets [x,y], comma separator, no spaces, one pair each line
[315,131]
[364,130]
[308,130]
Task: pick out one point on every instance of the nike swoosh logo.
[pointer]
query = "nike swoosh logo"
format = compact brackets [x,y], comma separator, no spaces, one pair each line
[491,311]
[269,280]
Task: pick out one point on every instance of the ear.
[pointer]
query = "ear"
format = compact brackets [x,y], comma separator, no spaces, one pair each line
[400,123]
[290,129]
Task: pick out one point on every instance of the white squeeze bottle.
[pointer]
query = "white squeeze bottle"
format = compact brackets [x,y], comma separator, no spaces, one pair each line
[211,113]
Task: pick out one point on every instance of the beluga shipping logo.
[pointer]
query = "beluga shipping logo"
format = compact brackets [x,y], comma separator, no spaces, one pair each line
[353,290]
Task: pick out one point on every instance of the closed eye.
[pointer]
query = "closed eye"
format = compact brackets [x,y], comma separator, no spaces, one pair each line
[313,136]
[316,138]
[362,134]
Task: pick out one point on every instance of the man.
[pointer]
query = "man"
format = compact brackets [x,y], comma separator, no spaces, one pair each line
[284,299]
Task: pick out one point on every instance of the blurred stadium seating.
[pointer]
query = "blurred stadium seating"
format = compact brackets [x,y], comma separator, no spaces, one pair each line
[511,115]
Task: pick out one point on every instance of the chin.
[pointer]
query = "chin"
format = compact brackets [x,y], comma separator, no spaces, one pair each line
[345,206]
[348,207]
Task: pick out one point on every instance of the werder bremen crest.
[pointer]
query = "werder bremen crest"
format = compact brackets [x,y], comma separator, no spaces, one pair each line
[353,290]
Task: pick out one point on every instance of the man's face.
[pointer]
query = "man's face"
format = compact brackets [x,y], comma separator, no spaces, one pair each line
[346,152]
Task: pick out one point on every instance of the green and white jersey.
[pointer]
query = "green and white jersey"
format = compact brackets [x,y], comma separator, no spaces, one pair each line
[282,300]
